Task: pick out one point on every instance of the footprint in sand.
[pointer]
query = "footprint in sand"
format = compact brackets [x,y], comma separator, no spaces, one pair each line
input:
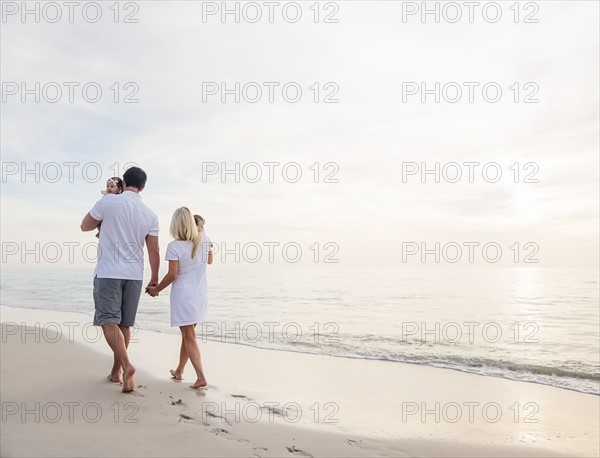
[297,452]
[257,451]
[273,410]
[224,433]
[361,445]
[212,415]
[176,403]
[191,420]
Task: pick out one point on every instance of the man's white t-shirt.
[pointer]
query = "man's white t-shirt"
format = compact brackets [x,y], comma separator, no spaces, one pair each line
[126,221]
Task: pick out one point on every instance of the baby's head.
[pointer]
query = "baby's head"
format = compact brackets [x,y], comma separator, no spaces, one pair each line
[114,185]
[199,222]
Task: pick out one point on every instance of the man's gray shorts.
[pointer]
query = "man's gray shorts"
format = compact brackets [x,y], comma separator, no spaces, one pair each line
[116,301]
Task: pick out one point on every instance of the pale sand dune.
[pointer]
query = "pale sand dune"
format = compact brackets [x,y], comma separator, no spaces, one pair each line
[366,398]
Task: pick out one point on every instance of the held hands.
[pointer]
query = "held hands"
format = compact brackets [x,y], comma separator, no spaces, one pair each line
[151,288]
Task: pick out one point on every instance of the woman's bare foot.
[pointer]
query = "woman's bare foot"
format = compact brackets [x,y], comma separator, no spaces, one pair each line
[128,384]
[114,378]
[176,375]
[200,383]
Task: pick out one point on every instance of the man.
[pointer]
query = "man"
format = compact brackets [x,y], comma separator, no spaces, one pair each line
[127,223]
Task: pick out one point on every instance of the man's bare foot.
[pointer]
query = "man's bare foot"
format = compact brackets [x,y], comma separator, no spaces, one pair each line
[200,383]
[115,373]
[114,379]
[128,384]
[176,375]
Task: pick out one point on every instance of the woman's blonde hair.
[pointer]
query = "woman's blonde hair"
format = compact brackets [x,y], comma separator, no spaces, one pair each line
[183,227]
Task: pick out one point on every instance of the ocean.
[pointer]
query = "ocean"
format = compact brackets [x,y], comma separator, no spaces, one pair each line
[539,325]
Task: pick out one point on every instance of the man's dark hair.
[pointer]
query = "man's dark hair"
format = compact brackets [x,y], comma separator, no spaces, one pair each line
[136,177]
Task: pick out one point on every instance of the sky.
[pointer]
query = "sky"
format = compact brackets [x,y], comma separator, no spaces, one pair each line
[365,207]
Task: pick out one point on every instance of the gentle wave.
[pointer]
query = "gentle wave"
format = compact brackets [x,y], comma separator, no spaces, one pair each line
[553,376]
[369,308]
[583,382]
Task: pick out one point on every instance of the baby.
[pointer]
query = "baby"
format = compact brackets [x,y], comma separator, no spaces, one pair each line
[114,185]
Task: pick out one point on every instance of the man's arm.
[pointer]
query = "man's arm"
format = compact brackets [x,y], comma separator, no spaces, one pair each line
[153,257]
[89,223]
[170,276]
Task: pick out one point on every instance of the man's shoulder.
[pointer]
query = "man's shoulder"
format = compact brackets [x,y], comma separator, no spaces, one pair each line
[110,198]
[136,200]
[149,211]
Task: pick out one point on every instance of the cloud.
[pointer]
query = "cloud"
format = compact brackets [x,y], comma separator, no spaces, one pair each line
[368,136]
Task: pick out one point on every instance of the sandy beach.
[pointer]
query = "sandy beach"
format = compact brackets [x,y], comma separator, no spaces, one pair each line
[381,216]
[56,401]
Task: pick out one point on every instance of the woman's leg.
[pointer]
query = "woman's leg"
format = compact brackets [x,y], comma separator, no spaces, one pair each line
[183,359]
[188,334]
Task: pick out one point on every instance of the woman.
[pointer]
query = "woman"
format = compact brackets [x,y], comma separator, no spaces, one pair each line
[188,259]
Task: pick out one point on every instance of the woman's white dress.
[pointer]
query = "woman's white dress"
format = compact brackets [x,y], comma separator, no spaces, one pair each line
[189,291]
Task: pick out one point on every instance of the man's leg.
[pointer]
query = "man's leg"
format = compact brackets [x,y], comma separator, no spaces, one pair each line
[108,294]
[131,292]
[115,373]
[115,339]
[126,334]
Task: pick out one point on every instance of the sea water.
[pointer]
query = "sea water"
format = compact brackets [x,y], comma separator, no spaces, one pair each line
[525,323]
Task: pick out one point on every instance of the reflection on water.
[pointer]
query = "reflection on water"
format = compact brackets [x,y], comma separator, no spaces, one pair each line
[537,324]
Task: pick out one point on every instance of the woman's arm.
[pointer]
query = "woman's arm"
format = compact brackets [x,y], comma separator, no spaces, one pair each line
[169,277]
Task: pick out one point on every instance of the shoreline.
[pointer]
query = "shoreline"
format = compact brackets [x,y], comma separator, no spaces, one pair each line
[351,357]
[371,403]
